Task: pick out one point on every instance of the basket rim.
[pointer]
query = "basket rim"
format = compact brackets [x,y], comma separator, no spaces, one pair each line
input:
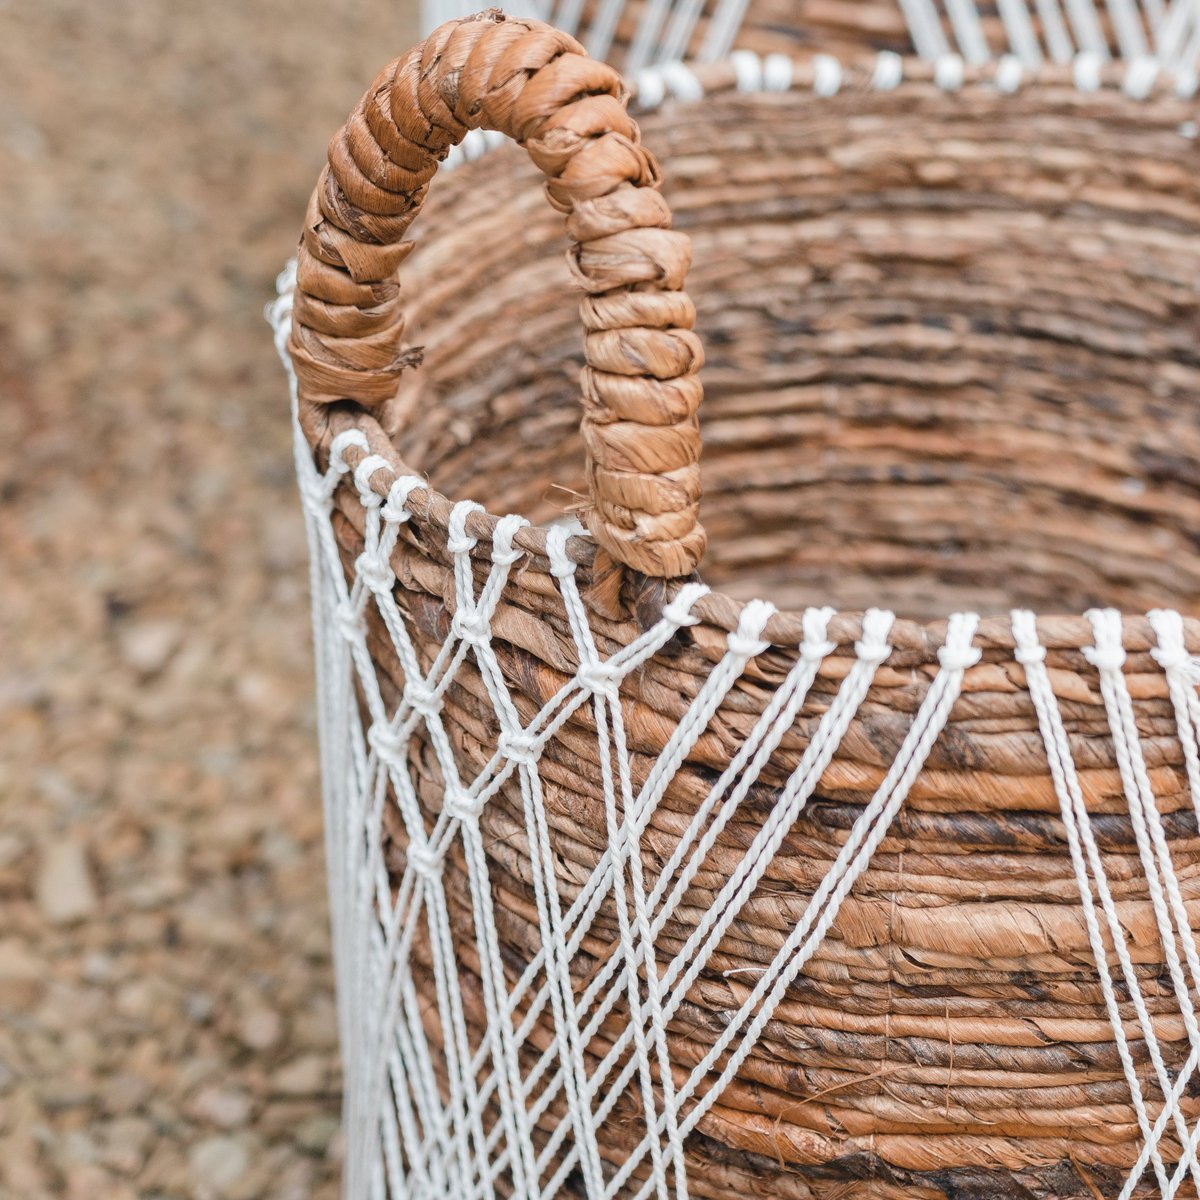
[1140,82]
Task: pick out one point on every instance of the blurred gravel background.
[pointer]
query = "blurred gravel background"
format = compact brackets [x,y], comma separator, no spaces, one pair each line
[166,1010]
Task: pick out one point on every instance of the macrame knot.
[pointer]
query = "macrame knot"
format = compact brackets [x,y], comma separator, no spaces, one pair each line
[827,75]
[387,744]
[362,479]
[1173,658]
[958,654]
[1108,654]
[342,443]
[394,510]
[350,622]
[1029,656]
[424,859]
[889,71]
[948,72]
[504,553]
[375,571]
[815,652]
[561,567]
[747,70]
[519,747]
[816,646]
[1009,73]
[423,699]
[599,678]
[1109,657]
[1029,651]
[458,540]
[471,626]
[1171,654]
[460,805]
[873,647]
[958,658]
[746,641]
[679,612]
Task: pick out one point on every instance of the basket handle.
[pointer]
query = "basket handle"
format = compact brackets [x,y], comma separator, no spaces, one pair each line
[640,388]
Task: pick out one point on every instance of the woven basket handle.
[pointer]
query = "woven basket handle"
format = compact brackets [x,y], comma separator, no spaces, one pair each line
[640,390]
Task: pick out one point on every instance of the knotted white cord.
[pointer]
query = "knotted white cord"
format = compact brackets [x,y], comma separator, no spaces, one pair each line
[1085,856]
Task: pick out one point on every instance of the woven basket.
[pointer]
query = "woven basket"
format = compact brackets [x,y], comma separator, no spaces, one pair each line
[646,890]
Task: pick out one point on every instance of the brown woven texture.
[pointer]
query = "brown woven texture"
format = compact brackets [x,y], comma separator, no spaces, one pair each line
[951,364]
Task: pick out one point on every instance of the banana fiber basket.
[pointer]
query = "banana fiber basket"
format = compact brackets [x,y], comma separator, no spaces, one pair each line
[647,886]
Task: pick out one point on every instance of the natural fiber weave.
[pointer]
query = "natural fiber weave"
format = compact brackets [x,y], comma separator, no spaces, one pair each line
[951,341]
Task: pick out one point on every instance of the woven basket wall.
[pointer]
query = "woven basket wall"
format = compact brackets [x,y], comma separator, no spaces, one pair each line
[950,364]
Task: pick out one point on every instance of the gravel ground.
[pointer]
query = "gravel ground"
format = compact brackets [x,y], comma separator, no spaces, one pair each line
[166,1012]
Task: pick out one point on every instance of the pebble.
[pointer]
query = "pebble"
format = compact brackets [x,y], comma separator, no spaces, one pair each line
[125,1093]
[199,1007]
[12,847]
[125,1143]
[224,1107]
[98,967]
[216,1164]
[93,1183]
[21,972]
[260,1029]
[301,1077]
[146,646]
[65,892]
[315,1135]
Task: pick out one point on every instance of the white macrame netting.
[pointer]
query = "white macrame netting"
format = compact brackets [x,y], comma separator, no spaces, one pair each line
[1034,31]
[406,1135]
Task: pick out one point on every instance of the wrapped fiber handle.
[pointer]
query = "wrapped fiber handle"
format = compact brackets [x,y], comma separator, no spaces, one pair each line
[640,391]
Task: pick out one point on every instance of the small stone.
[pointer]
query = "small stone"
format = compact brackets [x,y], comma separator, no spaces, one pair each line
[315,1135]
[98,968]
[304,1076]
[260,1028]
[12,847]
[136,999]
[224,1107]
[126,1142]
[147,645]
[216,1164]
[295,1181]
[21,975]
[315,1028]
[76,1148]
[64,1092]
[87,1182]
[199,1007]
[125,1093]
[65,892]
